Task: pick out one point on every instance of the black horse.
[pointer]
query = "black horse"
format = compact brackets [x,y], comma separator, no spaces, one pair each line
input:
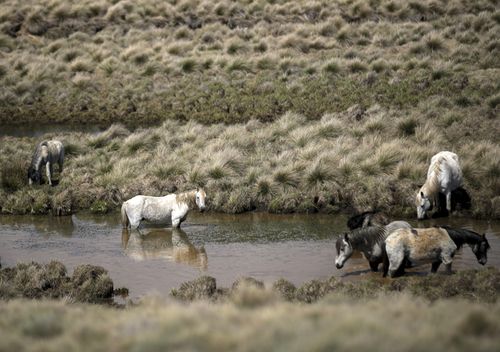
[367,218]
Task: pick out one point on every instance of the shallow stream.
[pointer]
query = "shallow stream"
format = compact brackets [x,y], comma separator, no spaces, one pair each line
[265,246]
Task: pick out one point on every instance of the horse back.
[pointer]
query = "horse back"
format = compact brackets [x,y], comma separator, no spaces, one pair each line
[422,243]
[450,173]
[55,151]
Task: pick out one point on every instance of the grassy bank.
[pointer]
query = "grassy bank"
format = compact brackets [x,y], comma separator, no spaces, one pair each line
[137,62]
[326,105]
[434,312]
[473,285]
[348,160]
[337,322]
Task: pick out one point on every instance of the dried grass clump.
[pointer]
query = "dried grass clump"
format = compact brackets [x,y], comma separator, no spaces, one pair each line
[36,281]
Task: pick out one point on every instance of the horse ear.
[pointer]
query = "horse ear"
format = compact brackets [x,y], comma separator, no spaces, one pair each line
[346,237]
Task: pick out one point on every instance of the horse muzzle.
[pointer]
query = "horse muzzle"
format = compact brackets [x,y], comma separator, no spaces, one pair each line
[482,261]
[202,209]
[339,266]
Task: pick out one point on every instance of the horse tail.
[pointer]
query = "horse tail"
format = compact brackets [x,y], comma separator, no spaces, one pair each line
[125,221]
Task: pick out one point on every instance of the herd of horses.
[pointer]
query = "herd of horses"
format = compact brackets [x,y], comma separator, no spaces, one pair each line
[395,244]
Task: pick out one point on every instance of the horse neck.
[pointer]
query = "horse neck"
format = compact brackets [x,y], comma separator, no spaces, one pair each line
[188,198]
[36,160]
[431,186]
[367,236]
[461,237]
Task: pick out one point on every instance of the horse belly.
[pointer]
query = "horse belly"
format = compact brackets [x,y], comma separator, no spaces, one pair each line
[156,213]
[422,257]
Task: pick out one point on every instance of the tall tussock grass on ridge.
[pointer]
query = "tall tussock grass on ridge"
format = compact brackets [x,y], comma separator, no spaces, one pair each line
[290,165]
[139,62]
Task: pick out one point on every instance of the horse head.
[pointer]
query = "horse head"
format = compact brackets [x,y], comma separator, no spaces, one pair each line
[200,199]
[34,176]
[480,250]
[424,204]
[344,250]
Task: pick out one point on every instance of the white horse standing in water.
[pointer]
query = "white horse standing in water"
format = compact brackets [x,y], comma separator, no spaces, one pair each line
[47,153]
[444,175]
[173,207]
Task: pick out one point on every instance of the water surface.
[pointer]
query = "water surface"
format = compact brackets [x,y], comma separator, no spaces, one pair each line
[265,246]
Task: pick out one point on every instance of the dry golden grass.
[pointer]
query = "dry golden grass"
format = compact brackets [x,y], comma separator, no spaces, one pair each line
[136,62]
[335,323]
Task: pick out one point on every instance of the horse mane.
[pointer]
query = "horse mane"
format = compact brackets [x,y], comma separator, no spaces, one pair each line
[188,197]
[35,159]
[367,235]
[431,185]
[462,236]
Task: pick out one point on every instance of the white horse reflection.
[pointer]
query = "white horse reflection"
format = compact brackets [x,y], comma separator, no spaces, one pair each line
[170,244]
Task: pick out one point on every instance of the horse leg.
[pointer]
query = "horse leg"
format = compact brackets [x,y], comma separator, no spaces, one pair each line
[48,167]
[448,201]
[435,267]
[176,222]
[447,259]
[395,264]
[447,269]
[374,265]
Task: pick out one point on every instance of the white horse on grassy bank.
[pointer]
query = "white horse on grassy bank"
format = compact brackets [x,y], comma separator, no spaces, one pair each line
[47,153]
[172,207]
[444,175]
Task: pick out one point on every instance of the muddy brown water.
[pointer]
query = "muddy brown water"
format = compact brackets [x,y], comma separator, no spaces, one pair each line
[265,246]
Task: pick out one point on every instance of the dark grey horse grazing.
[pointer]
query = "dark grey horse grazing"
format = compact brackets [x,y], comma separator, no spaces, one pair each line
[367,240]
[47,153]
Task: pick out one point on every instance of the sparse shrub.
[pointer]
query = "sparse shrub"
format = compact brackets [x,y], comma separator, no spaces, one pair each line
[188,65]
[407,126]
[261,47]
[81,65]
[202,288]
[91,284]
[71,54]
[285,288]
[379,65]
[100,207]
[36,24]
[328,30]
[493,101]
[434,42]
[235,47]
[357,66]
[332,67]
[239,65]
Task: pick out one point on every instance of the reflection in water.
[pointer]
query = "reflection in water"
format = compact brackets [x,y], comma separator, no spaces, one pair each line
[44,225]
[171,244]
[62,225]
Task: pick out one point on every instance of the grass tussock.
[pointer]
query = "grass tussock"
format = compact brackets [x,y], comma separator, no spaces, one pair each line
[89,283]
